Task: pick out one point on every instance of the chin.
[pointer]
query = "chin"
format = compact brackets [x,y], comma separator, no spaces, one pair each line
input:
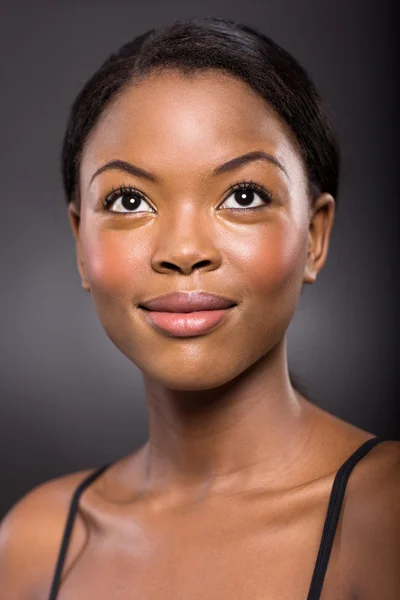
[191,373]
[190,379]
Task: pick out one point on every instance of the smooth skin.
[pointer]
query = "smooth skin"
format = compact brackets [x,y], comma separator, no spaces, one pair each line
[228,497]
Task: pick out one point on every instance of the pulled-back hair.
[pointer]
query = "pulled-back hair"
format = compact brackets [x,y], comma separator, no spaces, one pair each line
[202,43]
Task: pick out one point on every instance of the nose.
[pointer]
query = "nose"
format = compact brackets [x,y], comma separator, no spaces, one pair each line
[186,245]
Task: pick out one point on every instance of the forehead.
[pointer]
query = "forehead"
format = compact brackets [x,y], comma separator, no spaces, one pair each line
[196,122]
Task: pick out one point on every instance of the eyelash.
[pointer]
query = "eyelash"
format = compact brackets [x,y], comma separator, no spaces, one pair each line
[265,195]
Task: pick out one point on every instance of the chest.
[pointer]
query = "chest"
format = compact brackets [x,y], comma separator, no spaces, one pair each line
[230,551]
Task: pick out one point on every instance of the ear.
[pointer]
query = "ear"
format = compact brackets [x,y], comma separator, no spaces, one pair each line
[74,219]
[321,223]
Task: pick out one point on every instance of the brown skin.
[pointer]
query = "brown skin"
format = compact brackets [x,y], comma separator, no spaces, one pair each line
[228,496]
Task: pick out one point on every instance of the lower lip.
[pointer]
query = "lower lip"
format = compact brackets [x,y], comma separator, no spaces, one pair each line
[186,324]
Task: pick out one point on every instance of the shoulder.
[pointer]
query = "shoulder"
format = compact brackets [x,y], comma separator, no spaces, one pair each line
[377,482]
[371,518]
[30,537]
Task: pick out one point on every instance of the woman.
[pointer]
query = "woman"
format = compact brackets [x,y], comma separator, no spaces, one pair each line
[201,174]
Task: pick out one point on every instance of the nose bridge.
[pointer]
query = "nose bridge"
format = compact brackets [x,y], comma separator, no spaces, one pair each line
[185,220]
[185,238]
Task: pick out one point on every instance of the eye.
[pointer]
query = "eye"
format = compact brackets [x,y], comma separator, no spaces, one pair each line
[126,199]
[245,193]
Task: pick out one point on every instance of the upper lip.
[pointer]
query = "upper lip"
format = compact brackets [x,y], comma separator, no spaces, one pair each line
[187,302]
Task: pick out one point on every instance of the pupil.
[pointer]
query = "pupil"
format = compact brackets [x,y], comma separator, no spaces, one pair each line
[244,197]
[130,202]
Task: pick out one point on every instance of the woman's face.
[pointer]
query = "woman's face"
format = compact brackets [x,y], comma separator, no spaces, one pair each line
[190,232]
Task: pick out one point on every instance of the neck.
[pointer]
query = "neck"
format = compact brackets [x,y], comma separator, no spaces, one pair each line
[244,433]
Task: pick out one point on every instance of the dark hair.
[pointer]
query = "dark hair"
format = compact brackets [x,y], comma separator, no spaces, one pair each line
[202,43]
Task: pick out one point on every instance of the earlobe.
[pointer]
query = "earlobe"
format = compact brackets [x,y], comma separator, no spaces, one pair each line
[310,274]
[74,219]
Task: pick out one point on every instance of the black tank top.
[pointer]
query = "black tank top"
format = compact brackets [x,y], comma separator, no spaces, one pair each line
[328,533]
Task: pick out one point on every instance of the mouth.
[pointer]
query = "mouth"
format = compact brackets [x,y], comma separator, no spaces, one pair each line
[179,324]
[187,314]
[185,302]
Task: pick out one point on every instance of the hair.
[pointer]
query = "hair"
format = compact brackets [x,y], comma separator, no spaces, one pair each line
[200,44]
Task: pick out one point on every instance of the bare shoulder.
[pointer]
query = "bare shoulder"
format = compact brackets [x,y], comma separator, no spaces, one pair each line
[30,537]
[378,480]
[372,521]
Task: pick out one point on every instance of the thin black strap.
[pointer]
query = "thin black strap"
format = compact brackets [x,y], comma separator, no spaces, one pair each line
[68,528]
[332,516]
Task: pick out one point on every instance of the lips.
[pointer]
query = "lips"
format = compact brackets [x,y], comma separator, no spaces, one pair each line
[187,314]
[185,302]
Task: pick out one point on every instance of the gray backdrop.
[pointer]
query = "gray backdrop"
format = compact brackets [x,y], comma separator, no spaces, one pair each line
[69,398]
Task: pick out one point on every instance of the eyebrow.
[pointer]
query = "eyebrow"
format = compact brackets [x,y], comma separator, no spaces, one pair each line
[234,163]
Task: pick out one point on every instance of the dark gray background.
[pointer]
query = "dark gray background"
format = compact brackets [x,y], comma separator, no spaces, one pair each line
[69,398]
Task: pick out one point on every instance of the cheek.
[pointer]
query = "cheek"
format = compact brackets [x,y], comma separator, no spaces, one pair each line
[271,259]
[114,263]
